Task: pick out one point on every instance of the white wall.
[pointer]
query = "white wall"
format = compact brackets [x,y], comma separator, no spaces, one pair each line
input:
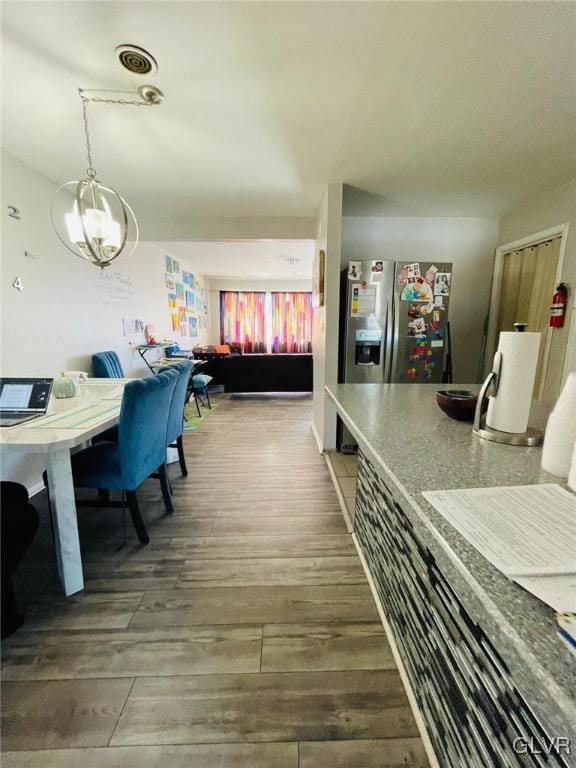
[466,242]
[178,228]
[536,215]
[217,284]
[68,308]
[326,318]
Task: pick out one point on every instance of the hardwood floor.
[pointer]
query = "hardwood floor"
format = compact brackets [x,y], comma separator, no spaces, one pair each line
[255,605]
[243,636]
[265,707]
[296,647]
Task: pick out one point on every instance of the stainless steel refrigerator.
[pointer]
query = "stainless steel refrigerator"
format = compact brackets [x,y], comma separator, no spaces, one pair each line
[394,325]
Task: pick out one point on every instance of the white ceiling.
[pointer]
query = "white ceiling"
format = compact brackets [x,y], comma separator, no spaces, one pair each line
[263,260]
[445,108]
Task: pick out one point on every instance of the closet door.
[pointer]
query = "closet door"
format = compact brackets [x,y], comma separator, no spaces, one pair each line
[527,285]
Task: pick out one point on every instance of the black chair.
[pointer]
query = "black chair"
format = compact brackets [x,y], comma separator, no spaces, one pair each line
[198,388]
[19,525]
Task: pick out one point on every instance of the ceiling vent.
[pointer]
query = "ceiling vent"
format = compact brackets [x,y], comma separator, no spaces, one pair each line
[136,60]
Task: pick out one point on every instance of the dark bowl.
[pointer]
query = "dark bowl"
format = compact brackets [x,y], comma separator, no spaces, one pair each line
[459,404]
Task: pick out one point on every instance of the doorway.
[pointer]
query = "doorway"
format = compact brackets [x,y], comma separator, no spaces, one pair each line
[525,277]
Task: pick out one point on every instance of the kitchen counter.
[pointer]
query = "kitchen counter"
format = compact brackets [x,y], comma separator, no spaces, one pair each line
[413,447]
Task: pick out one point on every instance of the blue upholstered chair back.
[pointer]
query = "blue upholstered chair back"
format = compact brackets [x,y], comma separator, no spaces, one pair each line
[143,426]
[107,365]
[176,417]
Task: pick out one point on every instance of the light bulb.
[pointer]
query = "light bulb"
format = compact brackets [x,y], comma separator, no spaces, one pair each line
[114,236]
[96,224]
[74,226]
[106,207]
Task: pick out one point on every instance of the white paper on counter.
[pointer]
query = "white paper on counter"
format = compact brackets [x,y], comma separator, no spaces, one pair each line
[527,532]
[559,592]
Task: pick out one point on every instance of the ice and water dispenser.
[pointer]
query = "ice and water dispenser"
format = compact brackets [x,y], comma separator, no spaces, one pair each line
[368,346]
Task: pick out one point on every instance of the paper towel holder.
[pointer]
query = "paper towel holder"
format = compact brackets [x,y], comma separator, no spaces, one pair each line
[529,438]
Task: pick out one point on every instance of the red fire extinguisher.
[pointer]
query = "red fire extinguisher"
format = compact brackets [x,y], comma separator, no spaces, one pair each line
[558,308]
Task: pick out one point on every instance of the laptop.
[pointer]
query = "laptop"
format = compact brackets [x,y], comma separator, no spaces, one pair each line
[23,399]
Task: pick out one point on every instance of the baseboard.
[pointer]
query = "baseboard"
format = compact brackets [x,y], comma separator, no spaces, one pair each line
[420,724]
[339,494]
[317,437]
[269,394]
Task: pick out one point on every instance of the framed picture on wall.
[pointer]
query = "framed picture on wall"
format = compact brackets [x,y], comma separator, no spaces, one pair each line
[319,276]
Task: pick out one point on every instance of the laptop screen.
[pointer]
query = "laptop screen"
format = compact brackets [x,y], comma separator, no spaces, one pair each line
[24,394]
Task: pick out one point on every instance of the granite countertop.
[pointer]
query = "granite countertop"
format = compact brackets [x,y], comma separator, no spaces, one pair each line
[417,448]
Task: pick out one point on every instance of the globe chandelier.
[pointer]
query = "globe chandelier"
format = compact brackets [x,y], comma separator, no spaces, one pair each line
[91,218]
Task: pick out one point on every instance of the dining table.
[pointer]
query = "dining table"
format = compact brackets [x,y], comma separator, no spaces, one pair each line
[67,425]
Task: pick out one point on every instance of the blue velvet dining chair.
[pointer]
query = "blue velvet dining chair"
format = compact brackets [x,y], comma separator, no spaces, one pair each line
[139,451]
[176,415]
[107,365]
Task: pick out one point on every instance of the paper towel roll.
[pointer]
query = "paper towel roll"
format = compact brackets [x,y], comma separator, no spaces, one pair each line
[509,411]
[572,473]
[561,431]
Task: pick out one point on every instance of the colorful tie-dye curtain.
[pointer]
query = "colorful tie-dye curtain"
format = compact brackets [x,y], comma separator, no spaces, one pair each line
[291,322]
[243,319]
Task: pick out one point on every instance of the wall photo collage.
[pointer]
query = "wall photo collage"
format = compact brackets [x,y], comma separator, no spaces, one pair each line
[186,299]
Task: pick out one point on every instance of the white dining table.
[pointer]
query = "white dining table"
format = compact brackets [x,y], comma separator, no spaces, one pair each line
[68,424]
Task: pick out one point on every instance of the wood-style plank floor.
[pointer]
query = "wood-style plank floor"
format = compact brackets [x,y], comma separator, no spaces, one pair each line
[243,636]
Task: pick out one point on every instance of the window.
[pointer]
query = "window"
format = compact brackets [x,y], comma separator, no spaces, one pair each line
[291,324]
[243,319]
[278,322]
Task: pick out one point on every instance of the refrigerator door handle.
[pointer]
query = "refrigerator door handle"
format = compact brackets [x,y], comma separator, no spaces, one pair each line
[394,329]
[389,336]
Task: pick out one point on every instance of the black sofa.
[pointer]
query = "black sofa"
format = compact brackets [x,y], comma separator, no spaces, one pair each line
[263,373]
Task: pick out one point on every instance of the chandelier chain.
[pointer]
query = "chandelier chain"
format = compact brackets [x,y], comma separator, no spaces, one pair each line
[85,100]
[90,171]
